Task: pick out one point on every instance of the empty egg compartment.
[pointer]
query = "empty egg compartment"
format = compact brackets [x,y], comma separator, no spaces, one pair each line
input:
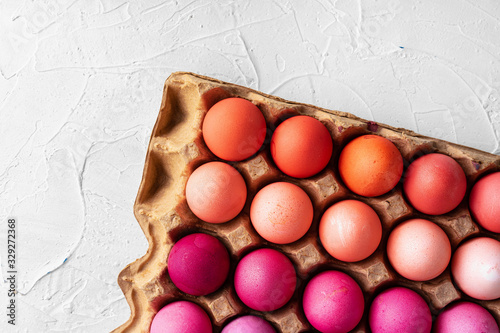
[177,148]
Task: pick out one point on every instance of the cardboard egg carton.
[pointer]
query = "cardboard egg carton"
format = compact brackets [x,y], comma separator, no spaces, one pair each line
[177,148]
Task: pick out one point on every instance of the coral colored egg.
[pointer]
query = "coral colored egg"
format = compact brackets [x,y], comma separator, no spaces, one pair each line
[234,129]
[181,317]
[216,192]
[248,324]
[435,184]
[350,230]
[399,310]
[265,280]
[281,212]
[484,202]
[370,165]
[465,317]
[475,267]
[301,146]
[419,249]
[333,302]
[198,264]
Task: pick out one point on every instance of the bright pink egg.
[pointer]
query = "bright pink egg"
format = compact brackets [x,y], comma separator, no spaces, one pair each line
[484,202]
[435,184]
[465,317]
[198,264]
[216,192]
[249,324]
[333,302]
[475,267]
[265,280]
[399,310]
[181,317]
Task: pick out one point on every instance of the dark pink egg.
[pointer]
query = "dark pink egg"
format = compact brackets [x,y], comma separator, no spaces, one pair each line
[198,264]
[181,317]
[464,317]
[435,184]
[399,310]
[265,280]
[249,324]
[333,302]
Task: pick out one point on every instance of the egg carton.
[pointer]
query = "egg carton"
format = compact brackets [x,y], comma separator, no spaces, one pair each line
[177,148]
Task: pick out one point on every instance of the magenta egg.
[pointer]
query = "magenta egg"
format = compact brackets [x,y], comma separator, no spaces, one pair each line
[464,317]
[249,324]
[181,317]
[333,302]
[399,310]
[198,264]
[265,280]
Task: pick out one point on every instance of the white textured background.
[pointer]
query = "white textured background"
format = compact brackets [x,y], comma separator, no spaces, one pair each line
[81,84]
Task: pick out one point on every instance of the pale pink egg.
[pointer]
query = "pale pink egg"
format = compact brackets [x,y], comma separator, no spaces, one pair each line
[281,212]
[350,230]
[419,249]
[216,192]
[475,267]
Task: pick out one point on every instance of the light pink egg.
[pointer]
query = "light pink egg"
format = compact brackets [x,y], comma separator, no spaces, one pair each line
[216,192]
[419,249]
[333,302]
[281,212]
[350,230]
[181,317]
[399,310]
[484,202]
[265,280]
[465,317]
[475,267]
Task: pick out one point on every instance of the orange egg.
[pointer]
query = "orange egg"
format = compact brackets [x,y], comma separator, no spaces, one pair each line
[418,249]
[281,212]
[370,165]
[234,129]
[350,230]
[216,192]
[301,146]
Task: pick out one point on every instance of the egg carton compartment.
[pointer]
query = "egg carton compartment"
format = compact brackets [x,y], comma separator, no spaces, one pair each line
[177,148]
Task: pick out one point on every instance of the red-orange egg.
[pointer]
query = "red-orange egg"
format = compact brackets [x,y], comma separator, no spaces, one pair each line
[418,249]
[216,192]
[281,212]
[301,146]
[484,202]
[435,184]
[234,129]
[350,230]
[370,165]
